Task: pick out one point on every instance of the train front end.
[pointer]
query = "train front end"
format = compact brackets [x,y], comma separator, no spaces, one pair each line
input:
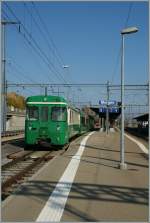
[46,120]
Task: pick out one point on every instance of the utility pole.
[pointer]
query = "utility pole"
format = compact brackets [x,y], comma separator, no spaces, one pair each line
[45,91]
[3,78]
[3,75]
[107,110]
[148,94]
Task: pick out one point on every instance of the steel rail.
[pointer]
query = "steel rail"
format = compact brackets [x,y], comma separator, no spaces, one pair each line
[18,169]
[11,133]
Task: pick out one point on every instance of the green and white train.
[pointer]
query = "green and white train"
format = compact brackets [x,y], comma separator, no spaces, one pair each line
[52,119]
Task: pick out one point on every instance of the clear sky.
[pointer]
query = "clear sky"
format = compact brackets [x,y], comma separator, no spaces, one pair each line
[86,35]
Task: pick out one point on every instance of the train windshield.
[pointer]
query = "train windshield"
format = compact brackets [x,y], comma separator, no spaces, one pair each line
[32,113]
[58,114]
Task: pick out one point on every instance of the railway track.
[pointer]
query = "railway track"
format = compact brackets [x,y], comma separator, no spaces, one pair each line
[7,139]
[11,133]
[24,166]
[17,171]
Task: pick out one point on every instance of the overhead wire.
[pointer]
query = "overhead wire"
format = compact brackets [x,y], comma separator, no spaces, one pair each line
[45,37]
[16,74]
[119,52]
[40,29]
[30,44]
[36,46]
[26,41]
[48,33]
[54,46]
[49,39]
[19,70]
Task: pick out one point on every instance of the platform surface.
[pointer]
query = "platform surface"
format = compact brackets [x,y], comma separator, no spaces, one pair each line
[100,191]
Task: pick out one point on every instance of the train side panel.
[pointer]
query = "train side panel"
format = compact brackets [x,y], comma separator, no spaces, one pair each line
[73,122]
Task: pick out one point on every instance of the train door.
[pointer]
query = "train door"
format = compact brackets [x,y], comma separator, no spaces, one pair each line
[44,122]
[59,126]
[31,124]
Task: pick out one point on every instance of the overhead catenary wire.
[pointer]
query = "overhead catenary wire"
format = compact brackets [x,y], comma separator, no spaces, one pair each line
[16,74]
[119,52]
[28,39]
[38,48]
[47,33]
[25,40]
[13,64]
[29,43]
[49,38]
[46,37]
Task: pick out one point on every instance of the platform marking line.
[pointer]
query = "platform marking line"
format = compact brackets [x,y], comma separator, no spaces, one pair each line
[142,147]
[54,207]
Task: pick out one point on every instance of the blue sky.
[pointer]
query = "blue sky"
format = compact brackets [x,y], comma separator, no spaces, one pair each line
[87,36]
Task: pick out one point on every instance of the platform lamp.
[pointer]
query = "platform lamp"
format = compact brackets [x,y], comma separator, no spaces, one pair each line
[126,31]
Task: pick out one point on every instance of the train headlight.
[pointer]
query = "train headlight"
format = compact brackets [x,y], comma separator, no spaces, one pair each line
[30,127]
[58,128]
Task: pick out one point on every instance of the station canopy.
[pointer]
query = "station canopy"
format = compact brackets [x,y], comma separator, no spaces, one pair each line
[143,118]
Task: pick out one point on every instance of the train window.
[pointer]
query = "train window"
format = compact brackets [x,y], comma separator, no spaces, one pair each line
[58,114]
[32,113]
[44,113]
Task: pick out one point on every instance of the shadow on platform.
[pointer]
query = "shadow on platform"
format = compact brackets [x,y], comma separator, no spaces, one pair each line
[41,190]
[112,163]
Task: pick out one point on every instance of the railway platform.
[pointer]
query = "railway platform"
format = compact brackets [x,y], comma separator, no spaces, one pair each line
[85,184]
[10,138]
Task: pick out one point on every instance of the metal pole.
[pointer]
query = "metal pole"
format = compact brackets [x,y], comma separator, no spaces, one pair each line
[58,91]
[45,91]
[107,110]
[122,163]
[3,75]
[3,100]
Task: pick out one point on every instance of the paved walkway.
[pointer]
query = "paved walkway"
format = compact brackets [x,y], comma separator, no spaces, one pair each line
[101,191]
[98,192]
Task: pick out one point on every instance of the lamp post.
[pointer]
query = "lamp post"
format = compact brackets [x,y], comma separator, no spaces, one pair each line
[129,30]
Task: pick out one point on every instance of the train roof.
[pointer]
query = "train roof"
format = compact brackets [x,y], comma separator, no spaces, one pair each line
[48,98]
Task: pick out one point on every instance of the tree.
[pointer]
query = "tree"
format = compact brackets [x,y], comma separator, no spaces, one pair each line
[18,101]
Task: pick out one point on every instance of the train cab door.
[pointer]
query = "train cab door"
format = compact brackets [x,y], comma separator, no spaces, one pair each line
[44,122]
[59,125]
